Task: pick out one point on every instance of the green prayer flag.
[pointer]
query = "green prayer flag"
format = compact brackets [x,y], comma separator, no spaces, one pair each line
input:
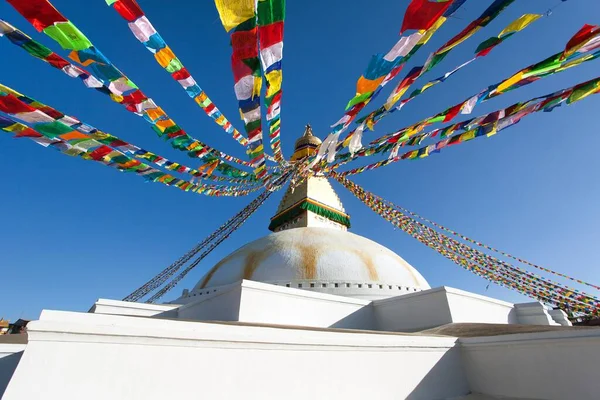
[174,66]
[120,159]
[53,129]
[436,60]
[358,99]
[253,125]
[37,50]
[270,11]
[68,36]
[486,44]
[584,91]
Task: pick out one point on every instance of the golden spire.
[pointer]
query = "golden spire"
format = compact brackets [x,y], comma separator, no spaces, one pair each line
[306,145]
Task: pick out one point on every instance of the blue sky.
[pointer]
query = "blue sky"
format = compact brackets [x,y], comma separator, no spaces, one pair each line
[73,231]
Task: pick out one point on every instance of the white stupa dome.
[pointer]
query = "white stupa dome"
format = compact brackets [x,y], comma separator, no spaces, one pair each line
[319,259]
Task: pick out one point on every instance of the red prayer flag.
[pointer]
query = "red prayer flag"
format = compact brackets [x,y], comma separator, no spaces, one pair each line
[240,69]
[129,9]
[28,133]
[422,14]
[134,98]
[100,152]
[56,61]
[270,34]
[580,38]
[181,74]
[12,105]
[485,52]
[40,13]
[51,112]
[244,44]
[453,112]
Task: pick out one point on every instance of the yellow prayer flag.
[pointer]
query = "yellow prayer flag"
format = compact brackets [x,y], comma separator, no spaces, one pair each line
[116,98]
[509,82]
[429,32]
[274,78]
[234,12]
[15,128]
[428,85]
[468,135]
[201,97]
[519,24]
[257,86]
[394,99]
[10,91]
[164,124]
[584,92]
[155,113]
[494,130]
[164,56]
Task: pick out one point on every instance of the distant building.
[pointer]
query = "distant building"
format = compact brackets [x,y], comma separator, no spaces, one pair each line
[18,326]
[3,326]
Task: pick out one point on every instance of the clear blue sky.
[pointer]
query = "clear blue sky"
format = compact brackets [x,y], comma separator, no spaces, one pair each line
[73,231]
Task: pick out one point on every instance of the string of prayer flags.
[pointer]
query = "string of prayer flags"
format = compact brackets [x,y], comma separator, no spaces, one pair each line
[145,32]
[122,90]
[484,126]
[34,112]
[517,25]
[477,243]
[40,51]
[380,71]
[271,15]
[482,50]
[483,20]
[476,261]
[89,149]
[526,76]
[240,18]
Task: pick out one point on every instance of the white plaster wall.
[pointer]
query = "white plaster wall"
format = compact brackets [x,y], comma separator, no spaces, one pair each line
[470,307]
[559,365]
[10,354]
[116,307]
[223,305]
[90,356]
[413,312]
[440,306]
[263,303]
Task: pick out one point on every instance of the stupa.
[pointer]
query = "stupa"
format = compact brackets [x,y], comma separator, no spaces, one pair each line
[309,311]
[311,248]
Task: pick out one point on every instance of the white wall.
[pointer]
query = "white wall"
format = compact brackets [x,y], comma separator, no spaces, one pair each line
[116,307]
[91,356]
[264,303]
[222,305]
[444,305]
[10,354]
[558,365]
[413,312]
[470,307]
